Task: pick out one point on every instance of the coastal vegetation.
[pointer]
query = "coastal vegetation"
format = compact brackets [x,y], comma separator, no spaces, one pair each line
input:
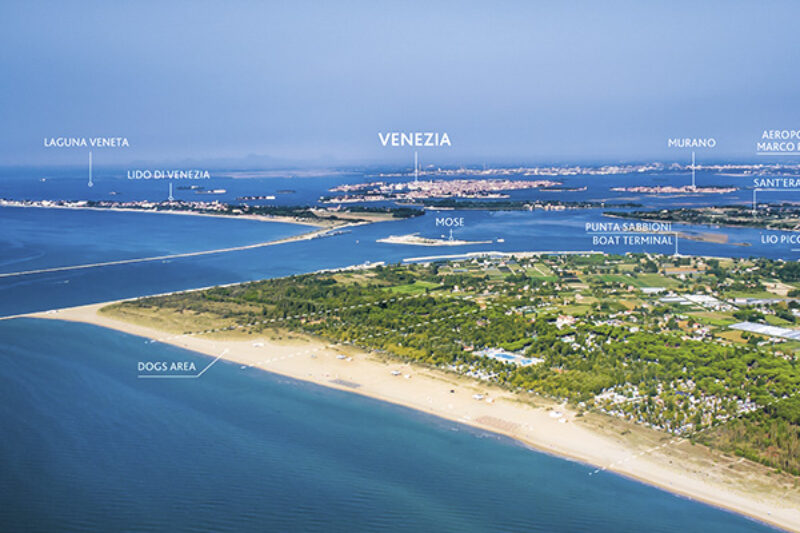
[769,216]
[309,213]
[644,338]
[306,213]
[517,205]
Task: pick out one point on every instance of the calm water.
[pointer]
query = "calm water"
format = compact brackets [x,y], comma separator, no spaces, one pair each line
[88,447]
[38,238]
[292,188]
[42,238]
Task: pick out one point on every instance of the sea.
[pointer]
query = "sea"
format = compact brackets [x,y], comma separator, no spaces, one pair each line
[86,446]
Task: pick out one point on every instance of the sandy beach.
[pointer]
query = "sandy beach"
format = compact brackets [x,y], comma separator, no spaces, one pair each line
[343,218]
[261,218]
[606,443]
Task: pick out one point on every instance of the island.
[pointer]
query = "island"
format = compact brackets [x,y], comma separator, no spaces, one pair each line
[654,167]
[414,239]
[516,205]
[670,189]
[381,191]
[314,216]
[783,216]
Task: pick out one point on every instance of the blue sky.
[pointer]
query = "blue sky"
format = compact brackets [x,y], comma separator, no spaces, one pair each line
[308,81]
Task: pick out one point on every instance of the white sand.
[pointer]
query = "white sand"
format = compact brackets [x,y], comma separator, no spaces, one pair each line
[646,455]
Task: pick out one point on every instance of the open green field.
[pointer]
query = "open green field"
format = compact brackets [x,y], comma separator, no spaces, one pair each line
[641,280]
[710,318]
[751,294]
[575,310]
[414,288]
[622,340]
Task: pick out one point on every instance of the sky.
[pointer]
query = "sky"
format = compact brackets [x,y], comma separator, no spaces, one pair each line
[265,83]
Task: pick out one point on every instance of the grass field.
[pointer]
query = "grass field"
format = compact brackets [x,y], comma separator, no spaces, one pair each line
[772,320]
[619,279]
[732,335]
[751,294]
[575,310]
[542,272]
[414,288]
[710,318]
[641,280]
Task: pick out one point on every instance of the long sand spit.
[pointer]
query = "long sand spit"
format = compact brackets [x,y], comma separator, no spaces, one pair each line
[303,236]
[610,445]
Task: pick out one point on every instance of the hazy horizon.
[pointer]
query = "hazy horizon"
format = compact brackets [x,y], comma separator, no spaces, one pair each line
[266,163]
[303,82]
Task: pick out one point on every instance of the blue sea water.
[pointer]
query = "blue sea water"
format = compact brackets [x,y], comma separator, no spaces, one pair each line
[86,446]
[33,238]
[291,188]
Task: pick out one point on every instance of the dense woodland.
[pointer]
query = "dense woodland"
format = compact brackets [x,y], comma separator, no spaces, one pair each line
[600,343]
[772,216]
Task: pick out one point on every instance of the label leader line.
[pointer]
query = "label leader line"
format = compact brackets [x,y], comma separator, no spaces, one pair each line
[183,376]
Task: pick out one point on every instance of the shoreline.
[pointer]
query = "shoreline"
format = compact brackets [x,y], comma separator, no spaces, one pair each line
[495,253]
[608,444]
[308,235]
[344,219]
[715,225]
[260,218]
